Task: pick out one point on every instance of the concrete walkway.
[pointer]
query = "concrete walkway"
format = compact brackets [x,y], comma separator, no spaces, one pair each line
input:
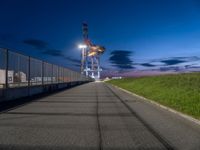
[95,116]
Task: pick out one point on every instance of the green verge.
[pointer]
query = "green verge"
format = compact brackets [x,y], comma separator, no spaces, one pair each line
[180,92]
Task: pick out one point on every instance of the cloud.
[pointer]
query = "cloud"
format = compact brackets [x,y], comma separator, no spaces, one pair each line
[121,59]
[37,44]
[77,61]
[172,61]
[59,53]
[53,52]
[45,49]
[188,59]
[175,68]
[147,65]
[179,60]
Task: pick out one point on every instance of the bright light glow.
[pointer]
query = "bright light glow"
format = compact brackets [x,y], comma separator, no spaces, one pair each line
[81,46]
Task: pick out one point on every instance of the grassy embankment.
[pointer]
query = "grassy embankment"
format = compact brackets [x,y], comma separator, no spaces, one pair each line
[180,92]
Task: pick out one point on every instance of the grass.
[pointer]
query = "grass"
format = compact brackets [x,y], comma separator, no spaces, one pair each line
[180,92]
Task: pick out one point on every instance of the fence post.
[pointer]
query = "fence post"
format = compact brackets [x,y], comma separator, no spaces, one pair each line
[51,74]
[29,70]
[42,72]
[58,75]
[29,74]
[6,70]
[63,73]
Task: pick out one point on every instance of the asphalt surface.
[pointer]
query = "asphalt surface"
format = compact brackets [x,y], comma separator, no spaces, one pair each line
[95,116]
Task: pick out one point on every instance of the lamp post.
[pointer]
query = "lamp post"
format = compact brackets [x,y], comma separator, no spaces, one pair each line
[83,56]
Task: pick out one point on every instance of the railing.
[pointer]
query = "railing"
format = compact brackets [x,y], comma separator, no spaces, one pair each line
[17,70]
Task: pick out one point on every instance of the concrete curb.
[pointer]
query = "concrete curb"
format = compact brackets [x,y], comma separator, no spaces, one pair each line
[162,106]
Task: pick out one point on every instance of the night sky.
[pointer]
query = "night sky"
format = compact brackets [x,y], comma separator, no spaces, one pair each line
[138,34]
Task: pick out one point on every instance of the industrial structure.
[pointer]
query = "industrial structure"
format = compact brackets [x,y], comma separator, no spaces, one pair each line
[90,56]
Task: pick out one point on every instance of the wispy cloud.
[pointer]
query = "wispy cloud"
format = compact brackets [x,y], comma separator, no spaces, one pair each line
[72,59]
[59,53]
[173,61]
[121,59]
[147,65]
[45,49]
[178,60]
[37,44]
[74,62]
[53,52]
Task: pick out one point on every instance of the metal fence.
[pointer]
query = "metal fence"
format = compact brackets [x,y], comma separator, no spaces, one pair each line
[17,70]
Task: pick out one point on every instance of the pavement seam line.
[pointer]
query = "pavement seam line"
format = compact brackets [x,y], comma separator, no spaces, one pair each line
[151,130]
[185,116]
[98,121]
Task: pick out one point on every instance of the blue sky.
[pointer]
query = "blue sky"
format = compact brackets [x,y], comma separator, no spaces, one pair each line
[147,34]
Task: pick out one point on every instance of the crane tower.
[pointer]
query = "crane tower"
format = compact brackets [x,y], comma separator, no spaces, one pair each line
[90,62]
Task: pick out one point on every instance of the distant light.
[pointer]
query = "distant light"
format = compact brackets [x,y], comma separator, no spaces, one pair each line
[81,46]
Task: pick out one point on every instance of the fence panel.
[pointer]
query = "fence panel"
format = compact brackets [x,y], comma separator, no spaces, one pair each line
[67,75]
[18,70]
[47,76]
[61,75]
[55,74]
[35,71]
[2,68]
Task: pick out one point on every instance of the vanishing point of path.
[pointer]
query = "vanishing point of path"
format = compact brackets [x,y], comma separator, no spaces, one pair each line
[95,116]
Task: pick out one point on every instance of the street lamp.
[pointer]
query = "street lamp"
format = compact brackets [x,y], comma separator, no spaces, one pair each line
[82,46]
[83,56]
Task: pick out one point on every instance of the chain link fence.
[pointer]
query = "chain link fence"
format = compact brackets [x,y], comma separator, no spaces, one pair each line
[17,70]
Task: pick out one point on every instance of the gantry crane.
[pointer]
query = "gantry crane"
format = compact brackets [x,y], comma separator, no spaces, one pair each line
[90,64]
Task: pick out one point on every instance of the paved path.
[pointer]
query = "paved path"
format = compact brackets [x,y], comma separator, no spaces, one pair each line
[95,116]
